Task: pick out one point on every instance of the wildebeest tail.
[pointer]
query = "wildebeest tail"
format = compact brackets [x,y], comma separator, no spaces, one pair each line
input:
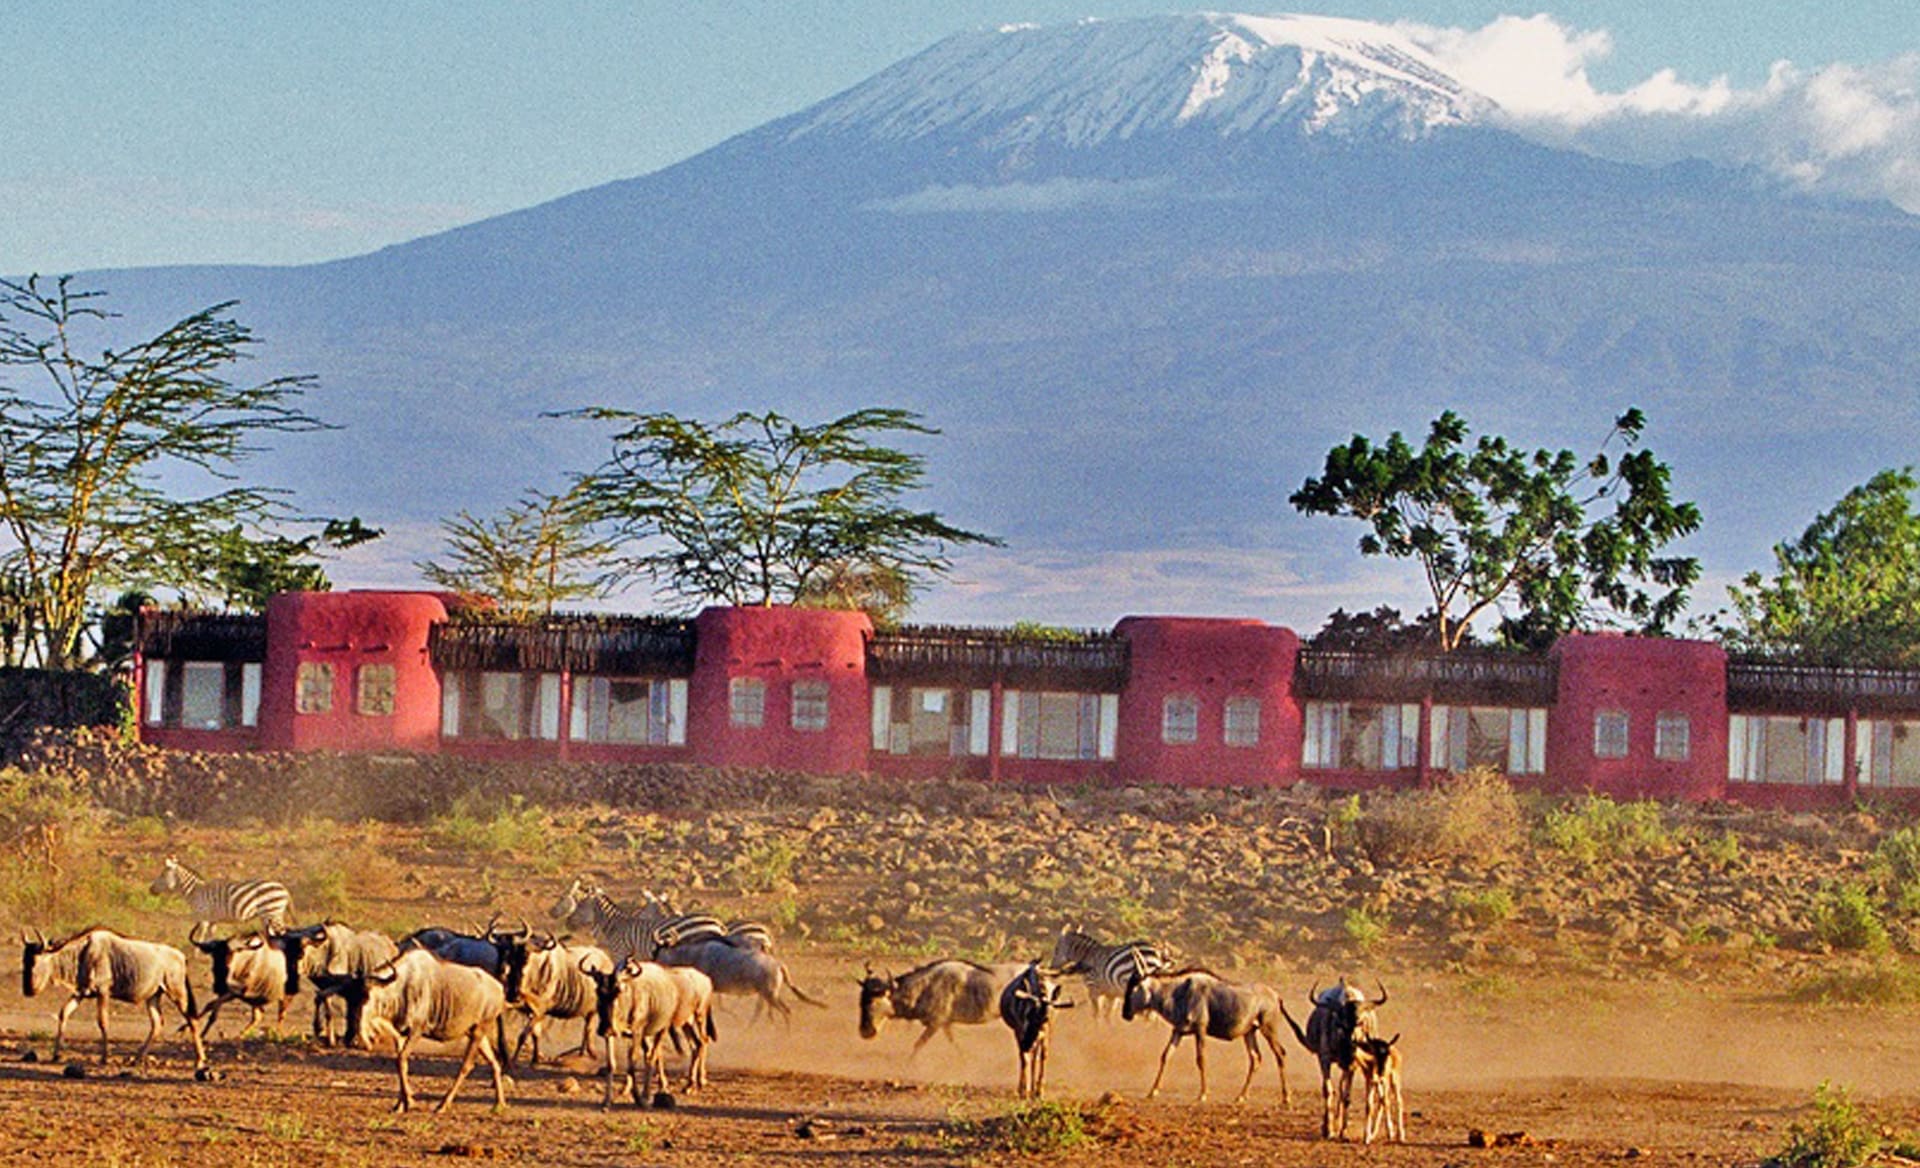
[803,995]
[1297,1032]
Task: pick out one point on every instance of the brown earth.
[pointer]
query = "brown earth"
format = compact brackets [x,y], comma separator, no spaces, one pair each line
[1663,1001]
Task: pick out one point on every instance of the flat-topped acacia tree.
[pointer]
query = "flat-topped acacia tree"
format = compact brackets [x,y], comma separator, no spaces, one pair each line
[759,509]
[1567,542]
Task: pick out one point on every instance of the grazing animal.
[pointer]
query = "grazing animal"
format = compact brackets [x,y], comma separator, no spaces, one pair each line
[543,978]
[648,1004]
[1107,969]
[939,995]
[261,903]
[260,971]
[101,964]
[1027,1006]
[736,970]
[423,995]
[1342,1019]
[340,950]
[1197,1002]
[1385,1108]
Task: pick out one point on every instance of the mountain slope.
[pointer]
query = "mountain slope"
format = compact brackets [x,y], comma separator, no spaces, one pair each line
[1143,274]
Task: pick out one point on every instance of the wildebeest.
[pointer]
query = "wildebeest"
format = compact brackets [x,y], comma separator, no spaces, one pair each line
[543,978]
[1026,1006]
[1200,1003]
[339,950]
[101,964]
[422,995]
[648,1004]
[259,971]
[1107,969]
[1341,1019]
[1385,1106]
[740,970]
[939,995]
[261,903]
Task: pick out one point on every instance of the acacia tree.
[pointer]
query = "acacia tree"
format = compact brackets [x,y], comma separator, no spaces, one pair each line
[1493,525]
[537,554]
[759,509]
[87,442]
[1848,589]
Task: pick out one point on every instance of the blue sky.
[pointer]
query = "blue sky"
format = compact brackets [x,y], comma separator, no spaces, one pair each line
[144,133]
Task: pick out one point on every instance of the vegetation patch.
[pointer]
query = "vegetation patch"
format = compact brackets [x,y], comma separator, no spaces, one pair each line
[1472,815]
[1029,1129]
[1595,827]
[1839,1136]
[1844,917]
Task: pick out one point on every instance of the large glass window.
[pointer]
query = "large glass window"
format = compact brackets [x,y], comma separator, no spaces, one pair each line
[1042,724]
[1508,739]
[201,695]
[931,721]
[1361,737]
[629,710]
[1242,726]
[810,705]
[495,705]
[1180,719]
[1890,753]
[1786,750]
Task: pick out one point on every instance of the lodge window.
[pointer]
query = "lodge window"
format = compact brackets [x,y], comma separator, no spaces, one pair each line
[1888,753]
[1508,739]
[1610,729]
[201,695]
[373,690]
[931,721]
[500,706]
[1040,724]
[313,688]
[810,705]
[1361,737]
[1672,736]
[1242,724]
[629,710]
[747,702]
[1180,719]
[1786,750]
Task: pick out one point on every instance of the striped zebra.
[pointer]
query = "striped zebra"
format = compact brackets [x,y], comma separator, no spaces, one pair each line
[646,929]
[1107,969]
[263,903]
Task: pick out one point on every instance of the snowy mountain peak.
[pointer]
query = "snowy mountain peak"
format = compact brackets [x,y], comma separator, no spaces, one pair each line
[1098,80]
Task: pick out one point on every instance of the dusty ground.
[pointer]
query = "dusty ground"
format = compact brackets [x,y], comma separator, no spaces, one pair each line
[1591,1078]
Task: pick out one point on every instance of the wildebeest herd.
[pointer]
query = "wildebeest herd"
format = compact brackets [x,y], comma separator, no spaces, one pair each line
[648,980]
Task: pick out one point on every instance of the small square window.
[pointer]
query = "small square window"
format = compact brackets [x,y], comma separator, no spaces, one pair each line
[747,701]
[374,690]
[1242,722]
[1610,734]
[1672,734]
[313,686]
[1180,719]
[809,705]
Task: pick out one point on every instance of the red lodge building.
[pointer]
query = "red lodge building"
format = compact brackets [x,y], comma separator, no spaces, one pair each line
[1170,700]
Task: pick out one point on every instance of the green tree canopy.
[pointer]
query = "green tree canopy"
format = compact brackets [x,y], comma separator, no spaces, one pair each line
[1846,590]
[759,509]
[93,449]
[538,554]
[1497,527]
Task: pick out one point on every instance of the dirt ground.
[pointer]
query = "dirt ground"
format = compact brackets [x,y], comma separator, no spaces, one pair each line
[1592,1075]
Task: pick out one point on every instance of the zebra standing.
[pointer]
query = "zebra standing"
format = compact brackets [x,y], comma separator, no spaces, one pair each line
[264,903]
[1107,969]
[645,930]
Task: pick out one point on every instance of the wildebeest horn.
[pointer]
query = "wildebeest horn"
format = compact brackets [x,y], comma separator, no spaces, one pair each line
[1313,995]
[1383,992]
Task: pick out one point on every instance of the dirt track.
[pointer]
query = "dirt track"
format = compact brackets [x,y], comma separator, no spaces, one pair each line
[1593,1078]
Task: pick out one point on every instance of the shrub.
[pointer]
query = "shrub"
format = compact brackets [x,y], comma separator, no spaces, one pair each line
[1485,907]
[1472,815]
[1030,1129]
[1844,917]
[1882,983]
[1839,1136]
[1595,827]
[1897,864]
[1363,928]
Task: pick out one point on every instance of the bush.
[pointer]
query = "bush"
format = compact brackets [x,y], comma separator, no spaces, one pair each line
[1472,815]
[1483,908]
[1882,983]
[1595,827]
[1029,1129]
[1845,918]
[1363,928]
[1839,1136]
[1897,864]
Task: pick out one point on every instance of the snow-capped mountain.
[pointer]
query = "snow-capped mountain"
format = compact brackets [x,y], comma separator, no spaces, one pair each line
[1142,273]
[1096,81]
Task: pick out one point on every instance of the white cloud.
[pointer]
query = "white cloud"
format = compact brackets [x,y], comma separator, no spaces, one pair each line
[1845,129]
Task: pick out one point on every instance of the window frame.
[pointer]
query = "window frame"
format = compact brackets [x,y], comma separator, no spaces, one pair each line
[1235,729]
[1605,722]
[746,703]
[313,686]
[810,703]
[1180,719]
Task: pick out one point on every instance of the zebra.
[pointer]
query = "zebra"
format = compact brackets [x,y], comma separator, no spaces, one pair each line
[646,930]
[1107,969]
[265,903]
